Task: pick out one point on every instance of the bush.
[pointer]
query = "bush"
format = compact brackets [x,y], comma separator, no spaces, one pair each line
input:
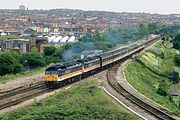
[49,50]
[9,64]
[177,60]
[162,89]
[52,59]
[176,42]
[32,59]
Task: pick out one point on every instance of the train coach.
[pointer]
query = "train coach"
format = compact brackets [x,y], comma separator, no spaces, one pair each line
[72,71]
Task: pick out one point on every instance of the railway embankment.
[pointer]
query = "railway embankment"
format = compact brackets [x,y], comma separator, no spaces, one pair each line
[151,73]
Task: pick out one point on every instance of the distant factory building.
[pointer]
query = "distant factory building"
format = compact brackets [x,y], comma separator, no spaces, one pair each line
[18,45]
[60,40]
[22,7]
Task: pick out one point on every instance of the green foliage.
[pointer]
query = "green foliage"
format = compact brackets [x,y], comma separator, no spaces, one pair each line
[145,77]
[49,50]
[86,102]
[7,37]
[152,27]
[165,56]
[34,50]
[169,30]
[9,64]
[52,59]
[176,42]
[32,59]
[163,38]
[60,50]
[54,55]
[143,30]
[177,60]
[162,89]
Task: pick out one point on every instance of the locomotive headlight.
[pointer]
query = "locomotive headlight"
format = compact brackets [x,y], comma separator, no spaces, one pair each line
[51,77]
[54,77]
[45,77]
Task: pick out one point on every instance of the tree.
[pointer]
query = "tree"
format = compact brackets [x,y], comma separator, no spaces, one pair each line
[49,50]
[152,27]
[176,41]
[60,50]
[9,64]
[142,29]
[177,60]
[52,59]
[32,59]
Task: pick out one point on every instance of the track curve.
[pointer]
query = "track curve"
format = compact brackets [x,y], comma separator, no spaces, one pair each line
[150,109]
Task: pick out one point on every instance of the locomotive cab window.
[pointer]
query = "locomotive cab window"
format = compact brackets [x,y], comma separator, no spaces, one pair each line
[51,72]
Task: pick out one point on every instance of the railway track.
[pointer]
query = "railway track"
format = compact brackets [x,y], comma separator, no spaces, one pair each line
[130,97]
[12,98]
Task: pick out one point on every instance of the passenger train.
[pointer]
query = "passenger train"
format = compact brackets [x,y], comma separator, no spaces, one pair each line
[72,71]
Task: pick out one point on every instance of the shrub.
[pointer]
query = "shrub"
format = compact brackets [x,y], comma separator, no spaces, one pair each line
[9,64]
[177,60]
[176,42]
[32,59]
[162,89]
[49,50]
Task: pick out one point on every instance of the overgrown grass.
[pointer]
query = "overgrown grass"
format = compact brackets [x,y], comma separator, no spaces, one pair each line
[7,78]
[86,102]
[147,73]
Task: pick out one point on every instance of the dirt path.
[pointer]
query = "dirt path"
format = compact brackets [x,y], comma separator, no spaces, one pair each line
[20,82]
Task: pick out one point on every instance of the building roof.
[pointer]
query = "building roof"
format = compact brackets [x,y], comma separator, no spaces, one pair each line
[23,40]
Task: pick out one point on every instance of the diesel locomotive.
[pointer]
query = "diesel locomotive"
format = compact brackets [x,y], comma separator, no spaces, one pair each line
[72,71]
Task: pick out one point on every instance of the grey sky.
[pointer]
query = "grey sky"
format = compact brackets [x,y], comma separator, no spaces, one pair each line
[148,6]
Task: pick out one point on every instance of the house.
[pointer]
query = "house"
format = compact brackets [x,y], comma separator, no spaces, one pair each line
[29,32]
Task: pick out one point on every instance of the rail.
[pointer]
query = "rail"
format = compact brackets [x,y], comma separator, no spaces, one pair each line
[114,83]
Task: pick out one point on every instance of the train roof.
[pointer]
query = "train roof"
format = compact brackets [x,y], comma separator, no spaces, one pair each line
[118,50]
[112,52]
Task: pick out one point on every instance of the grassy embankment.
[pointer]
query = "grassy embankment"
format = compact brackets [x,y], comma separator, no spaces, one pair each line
[7,78]
[151,71]
[86,102]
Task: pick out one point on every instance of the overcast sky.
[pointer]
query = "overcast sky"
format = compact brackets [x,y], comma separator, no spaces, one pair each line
[148,6]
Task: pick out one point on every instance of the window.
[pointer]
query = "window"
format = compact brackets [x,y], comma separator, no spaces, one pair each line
[51,72]
[67,71]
